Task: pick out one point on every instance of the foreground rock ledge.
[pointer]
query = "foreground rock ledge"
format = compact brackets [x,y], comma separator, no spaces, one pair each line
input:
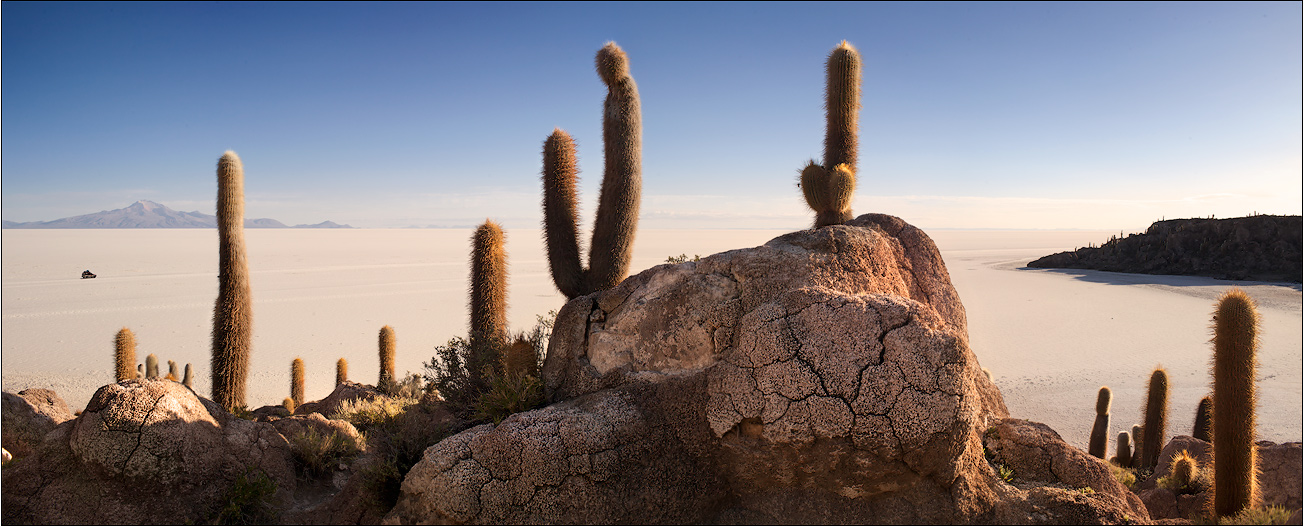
[825,376]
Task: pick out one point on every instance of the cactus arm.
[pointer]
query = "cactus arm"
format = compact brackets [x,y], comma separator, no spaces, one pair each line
[622,179]
[560,214]
[842,107]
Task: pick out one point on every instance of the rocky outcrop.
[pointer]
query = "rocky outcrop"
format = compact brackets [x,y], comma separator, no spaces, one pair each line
[825,376]
[145,452]
[1261,247]
[345,392]
[1280,467]
[27,417]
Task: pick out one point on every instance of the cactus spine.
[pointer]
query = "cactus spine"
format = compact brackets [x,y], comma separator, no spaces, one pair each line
[387,344]
[188,381]
[124,355]
[1235,344]
[233,310]
[488,299]
[1203,412]
[828,187]
[1100,431]
[622,183]
[296,381]
[1124,451]
[1156,417]
[341,371]
[151,367]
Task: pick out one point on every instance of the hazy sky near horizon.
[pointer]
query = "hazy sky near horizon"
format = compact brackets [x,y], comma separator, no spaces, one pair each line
[975,115]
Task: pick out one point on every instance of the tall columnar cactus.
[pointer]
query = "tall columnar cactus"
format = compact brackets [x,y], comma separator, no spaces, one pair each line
[233,310]
[1124,451]
[1235,346]
[622,183]
[1100,431]
[296,381]
[488,299]
[1156,418]
[387,345]
[341,371]
[124,355]
[189,380]
[828,187]
[1203,413]
[151,367]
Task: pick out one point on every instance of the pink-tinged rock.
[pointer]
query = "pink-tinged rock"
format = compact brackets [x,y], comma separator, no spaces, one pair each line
[26,417]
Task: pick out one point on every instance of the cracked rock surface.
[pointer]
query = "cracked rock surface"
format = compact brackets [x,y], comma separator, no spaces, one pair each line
[144,452]
[825,376]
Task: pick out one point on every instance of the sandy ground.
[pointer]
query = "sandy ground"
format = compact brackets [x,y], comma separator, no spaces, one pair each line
[1051,338]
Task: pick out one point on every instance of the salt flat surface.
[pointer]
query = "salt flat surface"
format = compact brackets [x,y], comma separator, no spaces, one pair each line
[1051,338]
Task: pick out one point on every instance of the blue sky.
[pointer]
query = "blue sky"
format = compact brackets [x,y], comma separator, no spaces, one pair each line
[991,115]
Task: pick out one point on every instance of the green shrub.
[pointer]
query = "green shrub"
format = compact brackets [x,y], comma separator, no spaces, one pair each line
[316,453]
[682,258]
[447,374]
[1269,515]
[509,394]
[249,501]
[398,432]
[1124,476]
[366,415]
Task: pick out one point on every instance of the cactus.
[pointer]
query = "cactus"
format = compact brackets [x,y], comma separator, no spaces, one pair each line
[341,371]
[1156,417]
[151,367]
[387,345]
[189,380]
[124,355]
[1201,428]
[174,372]
[520,359]
[1100,431]
[622,182]
[488,299]
[828,187]
[1124,451]
[289,404]
[296,381]
[140,370]
[1235,344]
[233,310]
[1184,470]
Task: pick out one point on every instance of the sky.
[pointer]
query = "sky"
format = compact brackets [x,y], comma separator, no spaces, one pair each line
[974,115]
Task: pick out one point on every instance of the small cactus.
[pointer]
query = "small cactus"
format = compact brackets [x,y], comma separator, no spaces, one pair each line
[1203,412]
[233,310]
[151,367]
[1156,417]
[1235,344]
[174,372]
[289,405]
[296,381]
[189,380]
[488,299]
[124,354]
[140,370]
[828,187]
[1123,451]
[622,182]
[520,359]
[1100,430]
[341,371]
[1184,470]
[387,344]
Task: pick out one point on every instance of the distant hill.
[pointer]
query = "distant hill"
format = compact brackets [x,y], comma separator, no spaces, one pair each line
[148,214]
[1261,248]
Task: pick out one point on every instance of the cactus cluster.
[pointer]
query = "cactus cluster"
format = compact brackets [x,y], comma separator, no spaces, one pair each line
[622,181]
[828,187]
[233,310]
[1235,344]
[1100,430]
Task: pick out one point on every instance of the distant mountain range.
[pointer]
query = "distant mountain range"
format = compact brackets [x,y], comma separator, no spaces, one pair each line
[148,214]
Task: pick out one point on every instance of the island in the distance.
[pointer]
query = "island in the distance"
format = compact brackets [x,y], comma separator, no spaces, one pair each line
[148,214]
[1258,247]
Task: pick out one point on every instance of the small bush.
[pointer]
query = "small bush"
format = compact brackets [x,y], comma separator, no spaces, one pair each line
[447,374]
[398,433]
[411,386]
[508,395]
[317,454]
[1005,472]
[1124,476]
[249,501]
[1269,515]
[366,415]
[682,258]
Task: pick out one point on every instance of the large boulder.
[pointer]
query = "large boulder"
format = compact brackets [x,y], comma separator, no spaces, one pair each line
[1279,478]
[27,417]
[146,452]
[825,376]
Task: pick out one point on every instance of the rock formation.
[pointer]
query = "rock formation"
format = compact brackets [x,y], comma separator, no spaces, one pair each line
[825,376]
[28,416]
[1265,248]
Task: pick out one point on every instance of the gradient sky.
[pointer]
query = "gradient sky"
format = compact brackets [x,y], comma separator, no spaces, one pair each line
[994,115]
